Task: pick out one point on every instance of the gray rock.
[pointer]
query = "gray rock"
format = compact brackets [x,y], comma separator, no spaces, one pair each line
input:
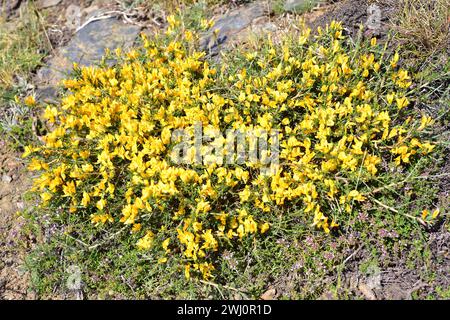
[300,6]
[73,16]
[6,178]
[232,24]
[20,205]
[8,6]
[47,93]
[87,48]
[91,11]
[43,4]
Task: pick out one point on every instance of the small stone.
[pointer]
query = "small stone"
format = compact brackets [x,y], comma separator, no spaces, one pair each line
[367,291]
[43,4]
[9,262]
[6,178]
[73,16]
[374,281]
[269,294]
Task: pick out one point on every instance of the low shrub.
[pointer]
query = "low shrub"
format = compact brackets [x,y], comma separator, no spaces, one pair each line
[341,114]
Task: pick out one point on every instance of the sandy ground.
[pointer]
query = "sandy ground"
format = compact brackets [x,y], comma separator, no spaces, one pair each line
[13,243]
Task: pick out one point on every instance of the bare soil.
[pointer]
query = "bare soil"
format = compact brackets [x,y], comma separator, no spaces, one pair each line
[13,243]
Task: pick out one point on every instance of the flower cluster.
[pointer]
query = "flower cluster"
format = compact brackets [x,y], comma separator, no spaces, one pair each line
[108,155]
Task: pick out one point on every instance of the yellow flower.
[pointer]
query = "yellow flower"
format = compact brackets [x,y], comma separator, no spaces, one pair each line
[371,162]
[250,56]
[435,213]
[101,218]
[250,225]
[29,150]
[46,197]
[165,244]
[197,226]
[36,165]
[172,20]
[365,73]
[424,122]
[187,271]
[209,241]
[376,67]
[101,204]
[390,98]
[245,194]
[206,24]
[69,189]
[395,60]
[145,242]
[162,260]
[264,227]
[136,228]
[334,224]
[427,147]
[30,101]
[354,194]
[50,114]
[85,154]
[203,206]
[166,135]
[402,102]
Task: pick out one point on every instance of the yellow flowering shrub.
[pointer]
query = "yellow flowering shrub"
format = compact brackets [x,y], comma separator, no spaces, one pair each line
[338,114]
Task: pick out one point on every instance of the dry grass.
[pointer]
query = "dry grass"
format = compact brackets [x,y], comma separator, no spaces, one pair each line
[423,26]
[174,5]
[22,46]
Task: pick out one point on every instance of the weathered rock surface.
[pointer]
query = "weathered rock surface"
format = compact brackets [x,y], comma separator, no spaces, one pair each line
[43,4]
[233,24]
[87,48]
[8,6]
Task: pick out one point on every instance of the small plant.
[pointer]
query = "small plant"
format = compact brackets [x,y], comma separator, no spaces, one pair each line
[17,125]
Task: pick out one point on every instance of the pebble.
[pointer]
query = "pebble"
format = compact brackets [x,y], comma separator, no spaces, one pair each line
[6,178]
